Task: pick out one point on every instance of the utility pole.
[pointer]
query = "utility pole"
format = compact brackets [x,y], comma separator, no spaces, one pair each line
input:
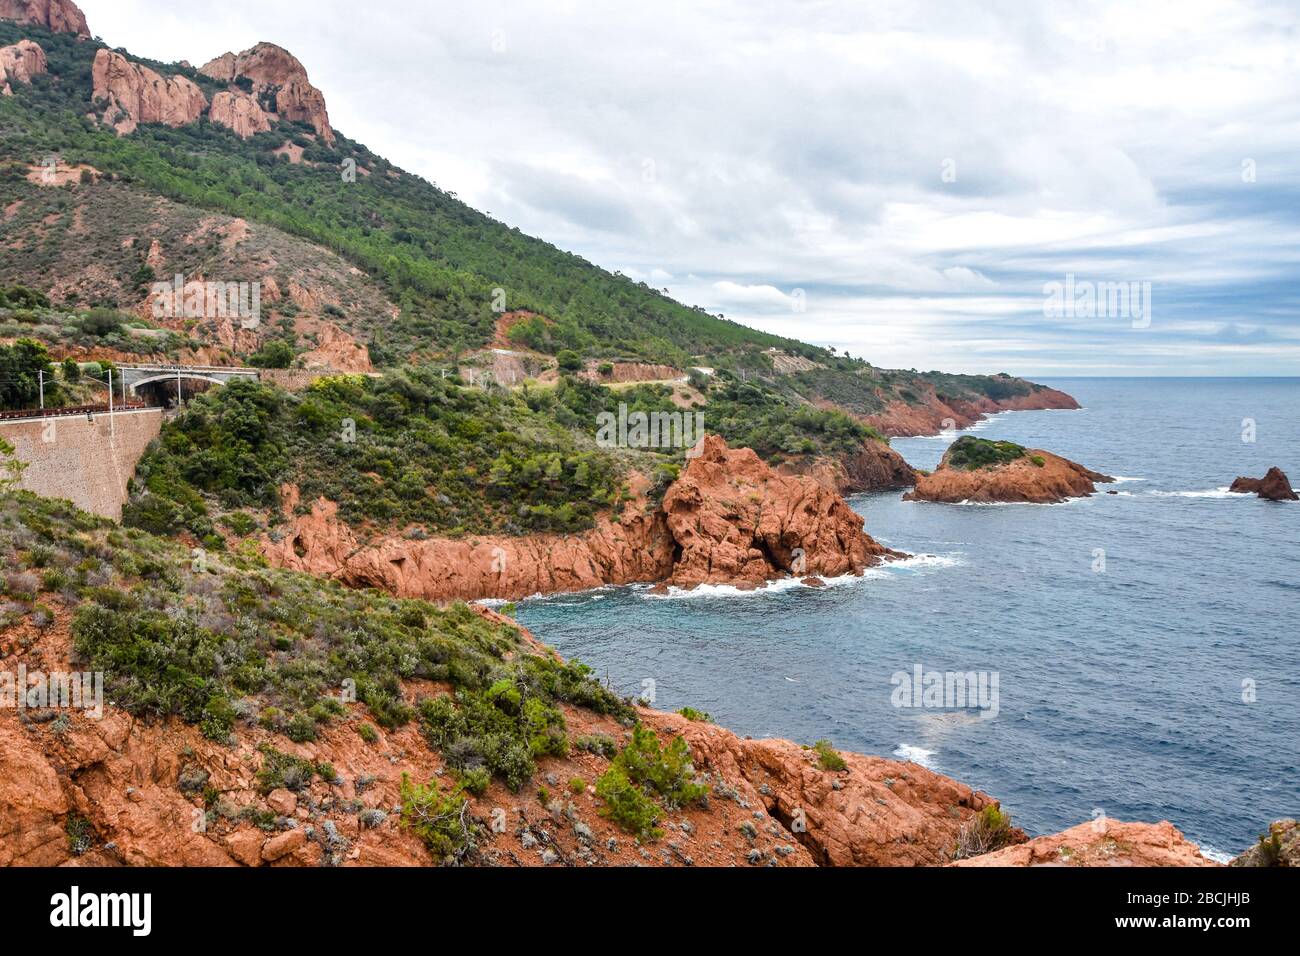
[112,424]
[178,389]
[40,375]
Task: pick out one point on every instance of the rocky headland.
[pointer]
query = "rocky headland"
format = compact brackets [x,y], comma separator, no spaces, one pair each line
[982,471]
[932,414]
[728,519]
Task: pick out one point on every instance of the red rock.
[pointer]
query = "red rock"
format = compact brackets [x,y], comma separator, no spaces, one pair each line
[59,16]
[131,94]
[1055,480]
[932,414]
[874,467]
[283,844]
[1101,842]
[1274,486]
[275,70]
[19,63]
[1280,846]
[239,112]
[282,802]
[734,520]
[246,846]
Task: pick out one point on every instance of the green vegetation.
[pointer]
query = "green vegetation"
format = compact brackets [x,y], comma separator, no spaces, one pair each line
[628,805]
[409,449]
[989,830]
[21,365]
[645,777]
[971,453]
[241,643]
[1038,461]
[828,757]
[282,771]
[441,820]
[81,834]
[505,726]
[440,260]
[690,713]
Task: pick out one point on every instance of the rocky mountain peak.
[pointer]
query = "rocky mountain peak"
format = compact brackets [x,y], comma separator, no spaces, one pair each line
[281,79]
[61,16]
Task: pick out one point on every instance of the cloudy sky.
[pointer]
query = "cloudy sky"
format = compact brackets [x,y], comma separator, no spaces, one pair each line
[902,180]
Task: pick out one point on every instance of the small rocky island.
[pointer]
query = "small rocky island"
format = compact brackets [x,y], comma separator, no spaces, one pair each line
[983,471]
[1274,486]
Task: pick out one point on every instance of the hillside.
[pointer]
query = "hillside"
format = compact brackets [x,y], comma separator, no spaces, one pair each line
[210,185]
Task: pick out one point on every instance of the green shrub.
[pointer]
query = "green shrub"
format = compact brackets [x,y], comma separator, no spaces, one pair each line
[599,744]
[665,772]
[989,830]
[1038,460]
[367,733]
[627,804]
[282,771]
[690,713]
[827,757]
[475,780]
[441,821]
[970,453]
[81,835]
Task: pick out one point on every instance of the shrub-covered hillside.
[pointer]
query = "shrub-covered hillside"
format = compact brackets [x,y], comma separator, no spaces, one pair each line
[410,449]
[438,258]
[216,642]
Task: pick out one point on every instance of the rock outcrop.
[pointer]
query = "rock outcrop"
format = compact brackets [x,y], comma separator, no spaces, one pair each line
[634,547]
[276,76]
[59,16]
[126,791]
[1274,486]
[239,112]
[728,520]
[19,63]
[129,94]
[1101,842]
[874,467]
[1034,476]
[734,520]
[932,413]
[1280,846]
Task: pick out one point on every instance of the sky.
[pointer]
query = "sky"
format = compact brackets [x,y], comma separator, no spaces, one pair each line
[923,184]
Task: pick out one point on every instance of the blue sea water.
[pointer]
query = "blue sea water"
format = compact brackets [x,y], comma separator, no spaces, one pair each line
[1123,689]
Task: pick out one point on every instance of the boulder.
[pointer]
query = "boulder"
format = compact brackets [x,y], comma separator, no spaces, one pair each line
[1274,486]
[19,63]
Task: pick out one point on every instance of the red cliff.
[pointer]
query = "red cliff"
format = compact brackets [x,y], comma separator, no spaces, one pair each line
[19,63]
[60,16]
[729,519]
[735,521]
[276,76]
[130,94]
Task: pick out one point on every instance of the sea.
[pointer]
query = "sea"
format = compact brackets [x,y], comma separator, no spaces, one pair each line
[1138,653]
